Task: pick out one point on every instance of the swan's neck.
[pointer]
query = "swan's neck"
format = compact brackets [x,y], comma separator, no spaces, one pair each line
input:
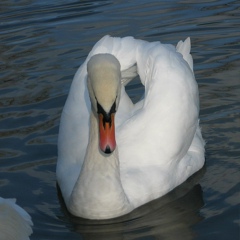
[98,192]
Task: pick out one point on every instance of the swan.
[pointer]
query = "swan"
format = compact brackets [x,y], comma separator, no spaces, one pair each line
[114,155]
[15,222]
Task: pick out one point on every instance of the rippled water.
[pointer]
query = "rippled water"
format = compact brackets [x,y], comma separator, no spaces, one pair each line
[43,43]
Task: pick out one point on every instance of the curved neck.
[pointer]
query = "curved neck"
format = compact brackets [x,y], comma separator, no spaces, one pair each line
[99,189]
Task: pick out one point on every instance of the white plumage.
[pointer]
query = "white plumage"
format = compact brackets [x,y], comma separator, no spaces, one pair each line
[15,222]
[159,143]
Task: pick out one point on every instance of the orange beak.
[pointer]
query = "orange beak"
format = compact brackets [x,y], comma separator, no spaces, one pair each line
[107,141]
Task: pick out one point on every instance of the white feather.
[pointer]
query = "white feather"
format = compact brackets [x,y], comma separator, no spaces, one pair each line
[15,222]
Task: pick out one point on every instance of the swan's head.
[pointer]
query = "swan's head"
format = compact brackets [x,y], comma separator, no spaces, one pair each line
[104,85]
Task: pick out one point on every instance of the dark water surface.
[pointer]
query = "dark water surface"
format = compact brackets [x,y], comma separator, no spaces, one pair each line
[42,43]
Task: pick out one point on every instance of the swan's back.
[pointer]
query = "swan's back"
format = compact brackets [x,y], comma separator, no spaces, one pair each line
[15,222]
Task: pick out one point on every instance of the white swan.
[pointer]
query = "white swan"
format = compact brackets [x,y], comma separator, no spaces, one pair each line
[158,143]
[15,222]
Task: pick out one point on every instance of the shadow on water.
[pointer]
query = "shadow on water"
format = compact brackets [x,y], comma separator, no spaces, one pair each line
[169,217]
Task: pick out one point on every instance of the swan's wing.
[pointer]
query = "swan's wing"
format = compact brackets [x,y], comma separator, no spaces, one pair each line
[15,222]
[165,126]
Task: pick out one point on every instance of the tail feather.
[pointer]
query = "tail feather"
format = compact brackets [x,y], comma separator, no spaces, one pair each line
[184,48]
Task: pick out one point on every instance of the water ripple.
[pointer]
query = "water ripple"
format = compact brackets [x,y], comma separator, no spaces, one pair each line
[44,42]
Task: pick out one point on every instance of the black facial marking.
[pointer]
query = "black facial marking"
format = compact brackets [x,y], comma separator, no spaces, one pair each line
[106,116]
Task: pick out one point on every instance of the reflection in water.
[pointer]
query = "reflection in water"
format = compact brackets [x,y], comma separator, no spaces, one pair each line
[169,217]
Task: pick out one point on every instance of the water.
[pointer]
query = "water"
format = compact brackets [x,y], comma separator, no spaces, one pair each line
[43,43]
